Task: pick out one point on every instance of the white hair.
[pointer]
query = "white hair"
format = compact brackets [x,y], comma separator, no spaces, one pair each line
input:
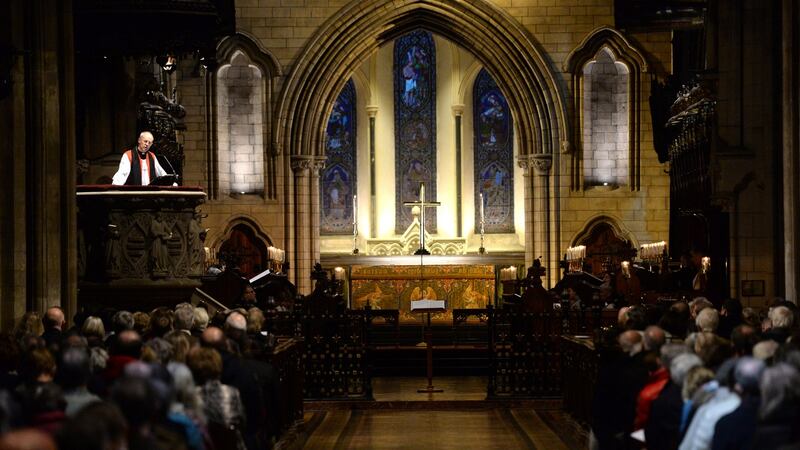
[707,320]
[781,317]
[236,321]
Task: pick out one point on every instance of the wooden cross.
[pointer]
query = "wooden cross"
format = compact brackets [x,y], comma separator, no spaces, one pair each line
[422,205]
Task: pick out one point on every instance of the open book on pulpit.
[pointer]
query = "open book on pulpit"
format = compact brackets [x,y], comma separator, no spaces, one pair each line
[427,305]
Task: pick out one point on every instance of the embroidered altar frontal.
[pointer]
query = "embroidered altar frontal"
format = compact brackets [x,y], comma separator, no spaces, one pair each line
[394,287]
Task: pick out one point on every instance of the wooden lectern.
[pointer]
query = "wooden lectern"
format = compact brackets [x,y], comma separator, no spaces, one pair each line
[428,307]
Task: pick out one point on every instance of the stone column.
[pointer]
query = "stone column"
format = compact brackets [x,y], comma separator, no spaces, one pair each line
[38,221]
[524,162]
[791,148]
[317,164]
[458,113]
[372,111]
[301,247]
[541,212]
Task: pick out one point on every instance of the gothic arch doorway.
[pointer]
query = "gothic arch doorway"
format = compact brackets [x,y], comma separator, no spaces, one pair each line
[243,249]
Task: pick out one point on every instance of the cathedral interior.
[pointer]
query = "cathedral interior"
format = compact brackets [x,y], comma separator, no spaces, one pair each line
[404,149]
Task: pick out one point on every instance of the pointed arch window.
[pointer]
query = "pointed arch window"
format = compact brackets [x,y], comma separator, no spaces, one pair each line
[338,180]
[607,83]
[415,124]
[493,156]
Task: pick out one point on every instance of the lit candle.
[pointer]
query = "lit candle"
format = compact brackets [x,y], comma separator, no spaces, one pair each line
[481,199]
[355,211]
[626,269]
[705,264]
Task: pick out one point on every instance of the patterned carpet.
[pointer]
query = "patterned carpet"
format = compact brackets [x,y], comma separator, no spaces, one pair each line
[493,428]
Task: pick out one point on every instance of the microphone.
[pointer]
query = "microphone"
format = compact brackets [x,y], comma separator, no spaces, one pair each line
[174,174]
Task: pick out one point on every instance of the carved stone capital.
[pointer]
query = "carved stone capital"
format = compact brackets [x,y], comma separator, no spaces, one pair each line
[317,164]
[372,110]
[541,164]
[566,147]
[458,110]
[301,163]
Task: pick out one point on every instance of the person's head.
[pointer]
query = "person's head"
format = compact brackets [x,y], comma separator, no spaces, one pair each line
[697,305]
[29,324]
[255,320]
[747,374]
[53,318]
[654,338]
[248,294]
[695,377]
[140,321]
[631,342]
[213,337]
[159,351]
[181,343]
[780,391]
[74,368]
[781,317]
[38,365]
[765,350]
[744,338]
[121,321]
[160,322]
[670,351]
[184,318]
[200,319]
[27,439]
[712,349]
[681,365]
[93,328]
[235,321]
[136,400]
[622,316]
[97,426]
[145,141]
[707,320]
[637,318]
[205,364]
[129,343]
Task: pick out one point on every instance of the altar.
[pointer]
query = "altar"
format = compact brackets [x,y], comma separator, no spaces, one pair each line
[463,281]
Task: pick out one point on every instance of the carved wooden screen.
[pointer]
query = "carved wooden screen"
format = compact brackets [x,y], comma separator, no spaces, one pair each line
[245,251]
[494,156]
[338,183]
[414,124]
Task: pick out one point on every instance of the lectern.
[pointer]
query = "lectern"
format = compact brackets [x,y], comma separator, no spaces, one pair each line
[427,307]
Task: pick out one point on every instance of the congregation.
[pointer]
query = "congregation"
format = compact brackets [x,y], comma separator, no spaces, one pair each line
[170,379]
[692,377]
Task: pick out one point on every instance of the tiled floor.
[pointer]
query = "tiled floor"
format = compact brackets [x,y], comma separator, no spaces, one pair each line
[445,424]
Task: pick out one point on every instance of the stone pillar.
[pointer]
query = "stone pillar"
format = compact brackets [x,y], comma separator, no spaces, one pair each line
[791,148]
[524,162]
[301,249]
[458,113]
[372,111]
[317,164]
[541,212]
[39,218]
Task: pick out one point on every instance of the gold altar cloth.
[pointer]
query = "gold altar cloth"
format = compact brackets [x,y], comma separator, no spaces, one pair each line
[394,287]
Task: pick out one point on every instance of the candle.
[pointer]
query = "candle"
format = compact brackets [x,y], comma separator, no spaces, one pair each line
[481,199]
[355,211]
[626,269]
[705,264]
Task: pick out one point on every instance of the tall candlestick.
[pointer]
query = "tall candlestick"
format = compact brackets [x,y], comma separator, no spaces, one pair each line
[355,224]
[481,199]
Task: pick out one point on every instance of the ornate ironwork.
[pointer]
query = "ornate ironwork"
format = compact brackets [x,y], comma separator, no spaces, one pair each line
[494,156]
[338,183]
[524,354]
[415,124]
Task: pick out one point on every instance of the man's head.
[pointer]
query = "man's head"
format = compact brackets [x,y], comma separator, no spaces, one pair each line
[53,318]
[707,320]
[248,295]
[213,337]
[654,338]
[781,317]
[145,141]
[630,342]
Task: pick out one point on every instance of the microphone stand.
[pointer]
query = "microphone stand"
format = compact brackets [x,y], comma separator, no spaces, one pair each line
[177,178]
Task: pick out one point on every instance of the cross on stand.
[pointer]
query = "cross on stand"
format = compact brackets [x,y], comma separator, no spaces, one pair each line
[422,204]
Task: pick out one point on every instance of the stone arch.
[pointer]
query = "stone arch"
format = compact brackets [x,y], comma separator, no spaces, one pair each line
[628,54]
[615,224]
[359,28]
[250,227]
[232,48]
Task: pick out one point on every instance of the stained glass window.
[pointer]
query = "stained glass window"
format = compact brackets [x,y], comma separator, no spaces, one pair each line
[415,124]
[494,156]
[338,179]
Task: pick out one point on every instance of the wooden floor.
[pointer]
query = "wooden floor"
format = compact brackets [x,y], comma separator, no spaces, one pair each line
[440,421]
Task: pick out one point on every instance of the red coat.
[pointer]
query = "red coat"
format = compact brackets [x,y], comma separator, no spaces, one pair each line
[655,383]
